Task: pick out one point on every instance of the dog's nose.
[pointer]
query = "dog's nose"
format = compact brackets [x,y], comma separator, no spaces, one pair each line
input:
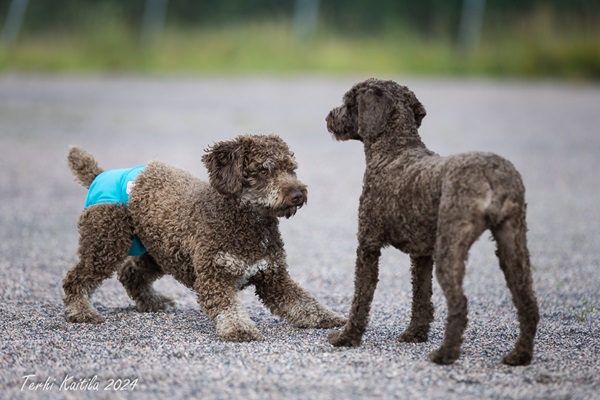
[296,197]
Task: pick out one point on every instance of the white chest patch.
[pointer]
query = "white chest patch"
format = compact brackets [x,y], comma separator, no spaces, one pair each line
[239,267]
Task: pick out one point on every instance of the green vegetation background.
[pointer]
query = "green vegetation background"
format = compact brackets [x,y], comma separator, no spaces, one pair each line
[552,38]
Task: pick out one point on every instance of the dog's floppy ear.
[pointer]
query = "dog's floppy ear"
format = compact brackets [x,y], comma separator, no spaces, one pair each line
[224,162]
[374,109]
[417,108]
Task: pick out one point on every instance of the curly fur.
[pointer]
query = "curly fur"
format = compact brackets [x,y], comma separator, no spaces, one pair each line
[215,237]
[433,208]
[83,166]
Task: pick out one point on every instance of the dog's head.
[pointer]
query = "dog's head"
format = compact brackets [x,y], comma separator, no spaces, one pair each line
[260,171]
[372,107]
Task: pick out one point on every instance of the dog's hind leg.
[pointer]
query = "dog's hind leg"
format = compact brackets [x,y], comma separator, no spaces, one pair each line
[455,235]
[513,256]
[105,233]
[137,275]
[422,307]
[285,298]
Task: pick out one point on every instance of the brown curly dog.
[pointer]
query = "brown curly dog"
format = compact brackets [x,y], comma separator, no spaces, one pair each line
[433,208]
[216,238]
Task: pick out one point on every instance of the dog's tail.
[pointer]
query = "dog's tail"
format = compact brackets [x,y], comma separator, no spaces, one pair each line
[83,165]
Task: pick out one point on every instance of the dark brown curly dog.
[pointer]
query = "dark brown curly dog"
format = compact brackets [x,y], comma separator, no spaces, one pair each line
[216,238]
[433,208]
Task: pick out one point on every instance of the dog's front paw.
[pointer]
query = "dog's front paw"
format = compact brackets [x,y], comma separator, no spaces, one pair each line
[238,334]
[414,336]
[517,358]
[237,331]
[332,321]
[86,316]
[444,356]
[341,338]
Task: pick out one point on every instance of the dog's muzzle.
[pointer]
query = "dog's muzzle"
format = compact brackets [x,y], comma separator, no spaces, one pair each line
[296,198]
[330,119]
[340,125]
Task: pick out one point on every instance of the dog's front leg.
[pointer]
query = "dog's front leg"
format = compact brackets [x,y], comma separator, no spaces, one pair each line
[217,295]
[422,307]
[365,281]
[285,298]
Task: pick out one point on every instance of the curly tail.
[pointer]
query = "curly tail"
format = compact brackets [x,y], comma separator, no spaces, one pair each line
[83,165]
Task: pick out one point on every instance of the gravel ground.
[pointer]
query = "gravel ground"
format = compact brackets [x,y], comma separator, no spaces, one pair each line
[550,132]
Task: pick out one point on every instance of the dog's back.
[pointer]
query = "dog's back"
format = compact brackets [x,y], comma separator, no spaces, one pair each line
[83,165]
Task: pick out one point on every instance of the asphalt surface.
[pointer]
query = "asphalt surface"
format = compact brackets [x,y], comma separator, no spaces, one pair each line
[550,131]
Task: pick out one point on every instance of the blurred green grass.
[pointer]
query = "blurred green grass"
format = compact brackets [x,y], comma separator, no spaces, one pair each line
[529,49]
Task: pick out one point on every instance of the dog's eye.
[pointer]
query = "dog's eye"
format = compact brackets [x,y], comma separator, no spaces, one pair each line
[264,172]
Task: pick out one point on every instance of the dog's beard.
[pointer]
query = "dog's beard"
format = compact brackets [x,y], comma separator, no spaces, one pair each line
[286,212]
[279,212]
[269,206]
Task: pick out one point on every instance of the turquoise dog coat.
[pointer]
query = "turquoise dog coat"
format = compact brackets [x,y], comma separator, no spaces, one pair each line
[114,186]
